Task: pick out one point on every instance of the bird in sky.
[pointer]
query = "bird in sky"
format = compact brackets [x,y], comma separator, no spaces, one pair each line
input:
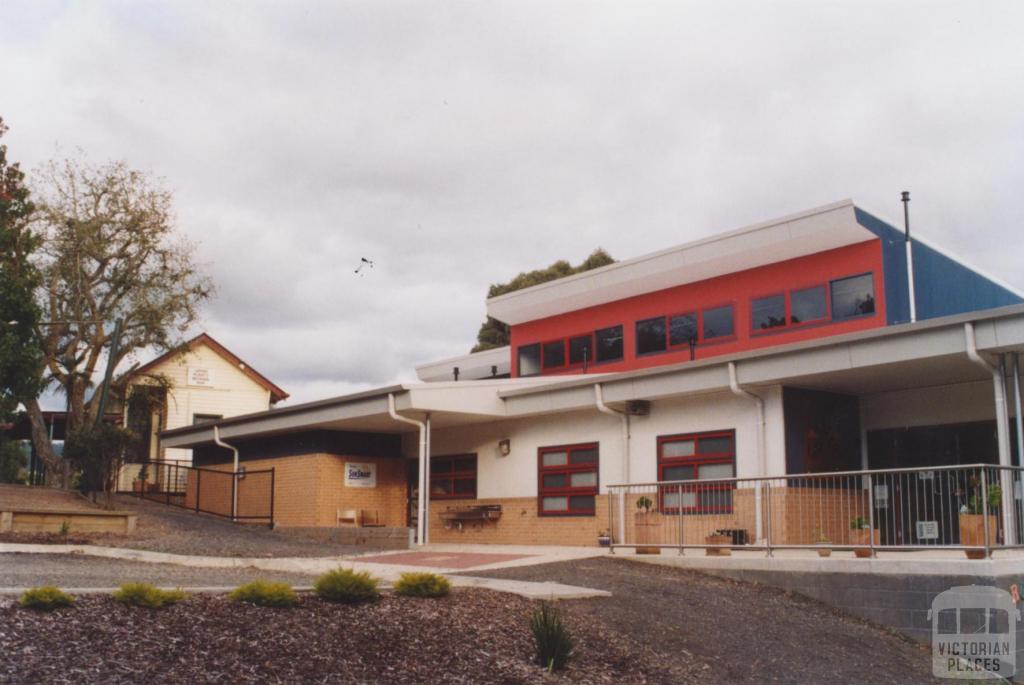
[363,263]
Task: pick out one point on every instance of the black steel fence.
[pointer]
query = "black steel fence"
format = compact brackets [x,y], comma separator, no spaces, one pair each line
[239,496]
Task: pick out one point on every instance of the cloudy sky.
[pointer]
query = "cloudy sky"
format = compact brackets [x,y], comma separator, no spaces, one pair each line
[458,143]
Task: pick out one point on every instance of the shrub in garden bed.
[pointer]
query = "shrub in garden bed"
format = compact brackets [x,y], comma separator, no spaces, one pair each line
[146,595]
[552,638]
[422,585]
[265,594]
[346,586]
[45,598]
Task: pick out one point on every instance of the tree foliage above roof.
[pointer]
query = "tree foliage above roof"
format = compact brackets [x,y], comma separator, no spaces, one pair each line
[494,333]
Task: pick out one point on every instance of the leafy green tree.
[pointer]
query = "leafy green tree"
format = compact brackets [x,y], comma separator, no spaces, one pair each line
[109,251]
[12,461]
[494,333]
[20,352]
[97,452]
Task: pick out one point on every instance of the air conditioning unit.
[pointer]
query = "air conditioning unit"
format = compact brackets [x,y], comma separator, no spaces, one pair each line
[638,407]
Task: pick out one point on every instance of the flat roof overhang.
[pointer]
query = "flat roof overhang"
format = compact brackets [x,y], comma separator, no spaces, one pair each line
[922,354]
[448,403]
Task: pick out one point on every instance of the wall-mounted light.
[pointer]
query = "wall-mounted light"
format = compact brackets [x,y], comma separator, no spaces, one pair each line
[505,447]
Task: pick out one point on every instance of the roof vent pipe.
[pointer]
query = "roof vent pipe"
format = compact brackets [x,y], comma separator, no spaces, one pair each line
[234,486]
[905,198]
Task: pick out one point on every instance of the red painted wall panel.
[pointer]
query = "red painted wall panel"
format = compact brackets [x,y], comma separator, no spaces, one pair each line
[738,289]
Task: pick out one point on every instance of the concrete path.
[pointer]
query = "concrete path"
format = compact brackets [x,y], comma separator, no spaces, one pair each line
[387,572]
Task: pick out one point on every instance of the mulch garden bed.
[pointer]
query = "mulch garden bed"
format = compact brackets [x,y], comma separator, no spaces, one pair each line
[472,636]
[47,538]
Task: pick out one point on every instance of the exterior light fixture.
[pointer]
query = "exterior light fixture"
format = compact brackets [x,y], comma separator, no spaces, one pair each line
[505,447]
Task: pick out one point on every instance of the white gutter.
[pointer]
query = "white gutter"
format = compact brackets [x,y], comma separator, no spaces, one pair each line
[910,281]
[604,408]
[734,386]
[1002,429]
[421,513]
[234,486]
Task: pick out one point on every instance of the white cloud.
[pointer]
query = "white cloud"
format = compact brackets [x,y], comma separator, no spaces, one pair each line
[457,144]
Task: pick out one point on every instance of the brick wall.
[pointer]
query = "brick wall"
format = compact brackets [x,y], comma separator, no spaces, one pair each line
[309,490]
[519,524]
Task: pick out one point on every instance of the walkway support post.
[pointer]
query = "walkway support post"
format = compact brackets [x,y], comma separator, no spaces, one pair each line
[421,515]
[1002,432]
[762,466]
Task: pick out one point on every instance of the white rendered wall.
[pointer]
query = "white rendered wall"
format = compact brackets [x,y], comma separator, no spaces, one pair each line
[929,406]
[516,474]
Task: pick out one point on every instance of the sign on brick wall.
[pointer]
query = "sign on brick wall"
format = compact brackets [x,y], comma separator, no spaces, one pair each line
[360,475]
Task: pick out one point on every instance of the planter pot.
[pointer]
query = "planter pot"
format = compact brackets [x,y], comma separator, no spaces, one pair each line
[648,530]
[604,541]
[972,532]
[824,552]
[864,536]
[718,540]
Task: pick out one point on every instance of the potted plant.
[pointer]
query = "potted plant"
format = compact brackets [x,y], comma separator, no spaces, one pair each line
[604,539]
[863,535]
[972,518]
[139,484]
[824,539]
[648,526]
[718,538]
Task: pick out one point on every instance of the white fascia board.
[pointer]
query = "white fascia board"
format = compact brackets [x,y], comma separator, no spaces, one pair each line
[793,236]
[475,365]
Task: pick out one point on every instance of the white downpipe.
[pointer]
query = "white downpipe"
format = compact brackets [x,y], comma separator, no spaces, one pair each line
[425,487]
[910,281]
[421,514]
[1017,409]
[1002,429]
[604,408]
[734,386]
[234,486]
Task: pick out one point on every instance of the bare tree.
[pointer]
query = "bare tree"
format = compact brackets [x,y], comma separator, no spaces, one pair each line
[109,252]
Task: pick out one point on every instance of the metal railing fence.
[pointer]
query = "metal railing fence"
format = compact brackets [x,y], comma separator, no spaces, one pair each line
[975,507]
[238,496]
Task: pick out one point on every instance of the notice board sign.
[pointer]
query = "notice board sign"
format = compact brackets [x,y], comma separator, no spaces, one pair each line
[199,376]
[360,475]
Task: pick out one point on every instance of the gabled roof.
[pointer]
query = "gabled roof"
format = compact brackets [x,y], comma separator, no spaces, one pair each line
[276,393]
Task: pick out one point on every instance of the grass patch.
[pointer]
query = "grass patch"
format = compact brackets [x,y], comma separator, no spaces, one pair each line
[552,637]
[265,594]
[414,584]
[45,598]
[146,595]
[346,586]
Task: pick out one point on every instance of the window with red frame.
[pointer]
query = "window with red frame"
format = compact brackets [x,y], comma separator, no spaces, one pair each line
[836,300]
[453,477]
[696,457]
[567,478]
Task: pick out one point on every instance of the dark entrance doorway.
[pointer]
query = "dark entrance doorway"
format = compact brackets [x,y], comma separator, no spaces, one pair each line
[902,501]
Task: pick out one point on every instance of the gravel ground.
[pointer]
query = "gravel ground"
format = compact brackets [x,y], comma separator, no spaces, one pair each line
[741,632]
[73,570]
[161,528]
[473,636]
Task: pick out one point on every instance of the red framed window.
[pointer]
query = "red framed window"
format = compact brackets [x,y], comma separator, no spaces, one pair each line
[567,480]
[575,351]
[835,300]
[453,476]
[695,457]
